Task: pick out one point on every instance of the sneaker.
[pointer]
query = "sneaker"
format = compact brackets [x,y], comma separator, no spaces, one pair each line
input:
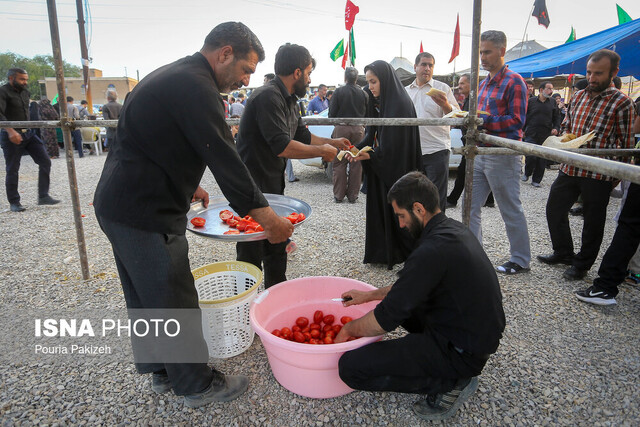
[335,199]
[511,268]
[160,382]
[524,178]
[574,273]
[535,184]
[438,407]
[633,278]
[17,207]
[595,296]
[223,388]
[48,200]
[577,211]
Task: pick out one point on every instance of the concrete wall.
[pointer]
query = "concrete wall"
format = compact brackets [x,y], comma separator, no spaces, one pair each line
[99,85]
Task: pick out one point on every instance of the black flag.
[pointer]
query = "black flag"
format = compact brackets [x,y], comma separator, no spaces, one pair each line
[540,12]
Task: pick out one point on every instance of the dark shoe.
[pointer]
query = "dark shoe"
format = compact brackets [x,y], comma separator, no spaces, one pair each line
[17,207]
[294,179]
[511,268]
[437,407]
[160,382]
[48,200]
[535,184]
[337,200]
[574,273]
[556,258]
[353,201]
[223,388]
[451,205]
[577,211]
[596,296]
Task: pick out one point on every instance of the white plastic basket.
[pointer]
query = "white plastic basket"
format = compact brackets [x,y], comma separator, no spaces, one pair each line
[225,290]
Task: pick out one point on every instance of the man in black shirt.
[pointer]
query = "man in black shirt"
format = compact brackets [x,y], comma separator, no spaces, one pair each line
[171,128]
[14,106]
[270,133]
[348,101]
[447,297]
[543,119]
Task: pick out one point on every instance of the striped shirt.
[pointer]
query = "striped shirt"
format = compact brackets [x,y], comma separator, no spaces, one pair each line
[609,114]
[504,96]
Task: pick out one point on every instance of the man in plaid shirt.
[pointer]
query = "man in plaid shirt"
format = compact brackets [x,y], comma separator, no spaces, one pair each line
[503,94]
[609,113]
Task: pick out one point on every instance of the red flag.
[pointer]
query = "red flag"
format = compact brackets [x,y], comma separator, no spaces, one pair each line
[346,55]
[350,12]
[421,49]
[455,51]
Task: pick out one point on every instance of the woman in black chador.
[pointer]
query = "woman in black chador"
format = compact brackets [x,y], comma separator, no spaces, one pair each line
[396,152]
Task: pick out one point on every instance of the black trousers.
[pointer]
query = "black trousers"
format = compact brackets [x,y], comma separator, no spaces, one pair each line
[33,145]
[273,257]
[623,246]
[76,138]
[534,165]
[562,195]
[458,186]
[155,273]
[421,363]
[436,168]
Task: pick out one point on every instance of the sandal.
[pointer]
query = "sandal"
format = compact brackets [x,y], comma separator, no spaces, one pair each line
[633,278]
[511,268]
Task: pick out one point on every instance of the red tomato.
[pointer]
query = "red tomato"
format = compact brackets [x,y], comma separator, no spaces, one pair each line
[330,333]
[305,329]
[336,328]
[315,333]
[198,222]
[232,223]
[286,333]
[328,340]
[328,319]
[326,328]
[250,228]
[249,231]
[345,319]
[293,217]
[314,341]
[317,317]
[259,228]
[298,337]
[307,336]
[237,218]
[295,328]
[242,224]
[302,321]
[232,231]
[225,214]
[301,217]
[315,326]
[276,332]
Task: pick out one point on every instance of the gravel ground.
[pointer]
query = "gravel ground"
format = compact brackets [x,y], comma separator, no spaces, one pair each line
[561,362]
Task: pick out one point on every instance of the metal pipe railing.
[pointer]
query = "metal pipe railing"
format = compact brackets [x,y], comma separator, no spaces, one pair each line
[598,152]
[612,168]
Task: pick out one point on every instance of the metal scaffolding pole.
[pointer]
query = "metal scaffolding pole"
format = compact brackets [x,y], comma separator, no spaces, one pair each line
[472,126]
[607,167]
[66,125]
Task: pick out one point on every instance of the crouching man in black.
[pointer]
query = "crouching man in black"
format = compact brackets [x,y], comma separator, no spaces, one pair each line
[447,297]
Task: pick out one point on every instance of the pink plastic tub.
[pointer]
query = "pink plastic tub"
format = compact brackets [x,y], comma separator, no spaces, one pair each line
[305,369]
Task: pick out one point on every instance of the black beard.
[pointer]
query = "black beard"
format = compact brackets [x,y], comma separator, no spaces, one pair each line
[300,88]
[414,228]
[18,86]
[600,87]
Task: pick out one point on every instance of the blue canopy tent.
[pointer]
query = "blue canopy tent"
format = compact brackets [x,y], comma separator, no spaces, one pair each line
[572,57]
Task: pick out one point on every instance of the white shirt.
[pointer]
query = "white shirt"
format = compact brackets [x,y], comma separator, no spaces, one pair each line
[432,138]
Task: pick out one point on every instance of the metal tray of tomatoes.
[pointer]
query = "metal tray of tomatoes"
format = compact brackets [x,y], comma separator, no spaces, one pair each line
[215,227]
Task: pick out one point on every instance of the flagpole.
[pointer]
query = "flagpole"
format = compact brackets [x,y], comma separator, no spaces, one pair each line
[525,30]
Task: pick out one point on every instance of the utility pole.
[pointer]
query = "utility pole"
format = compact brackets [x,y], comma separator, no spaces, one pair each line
[85,55]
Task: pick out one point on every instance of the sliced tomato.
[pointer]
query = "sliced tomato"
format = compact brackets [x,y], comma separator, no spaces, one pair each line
[232,223]
[301,217]
[225,214]
[249,231]
[259,228]
[242,224]
[232,231]
[198,222]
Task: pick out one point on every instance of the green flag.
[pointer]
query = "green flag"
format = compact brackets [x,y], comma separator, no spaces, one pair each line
[337,51]
[352,46]
[54,100]
[572,36]
[622,15]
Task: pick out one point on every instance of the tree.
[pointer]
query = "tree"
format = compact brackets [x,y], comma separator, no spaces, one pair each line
[38,67]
